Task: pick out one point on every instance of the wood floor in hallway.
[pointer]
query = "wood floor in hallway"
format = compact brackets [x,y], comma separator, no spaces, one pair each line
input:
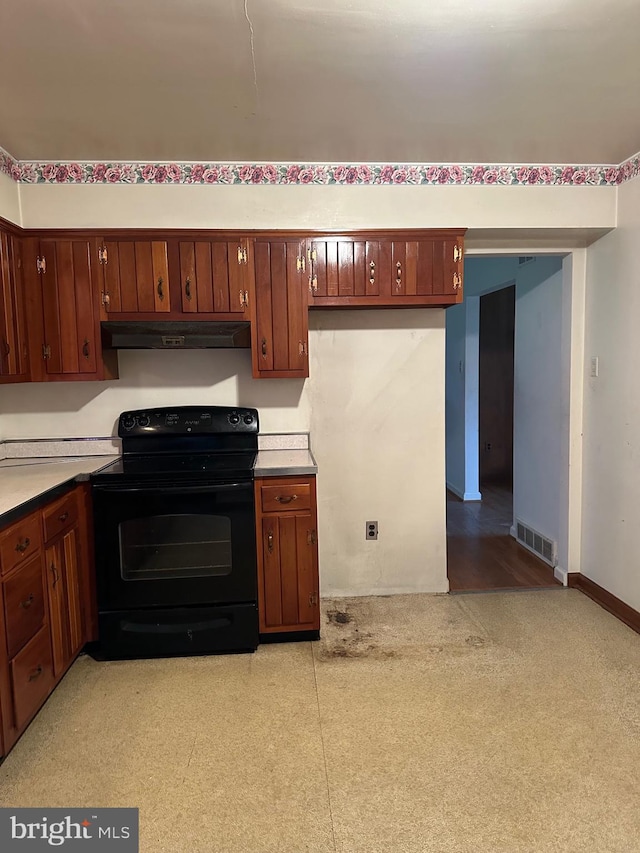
[481,554]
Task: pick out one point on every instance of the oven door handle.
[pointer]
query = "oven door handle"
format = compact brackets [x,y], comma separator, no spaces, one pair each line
[211,488]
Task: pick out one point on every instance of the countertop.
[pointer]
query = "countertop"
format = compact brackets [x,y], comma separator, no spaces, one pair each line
[23,482]
[27,482]
[284,463]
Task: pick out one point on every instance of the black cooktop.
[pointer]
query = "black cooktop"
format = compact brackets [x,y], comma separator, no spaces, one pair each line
[218,466]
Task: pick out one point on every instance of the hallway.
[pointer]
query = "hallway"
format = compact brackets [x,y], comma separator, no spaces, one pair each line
[482,555]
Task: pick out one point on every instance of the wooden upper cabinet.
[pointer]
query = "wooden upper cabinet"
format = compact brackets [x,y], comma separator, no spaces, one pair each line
[419,269]
[135,277]
[280,329]
[63,311]
[14,353]
[213,277]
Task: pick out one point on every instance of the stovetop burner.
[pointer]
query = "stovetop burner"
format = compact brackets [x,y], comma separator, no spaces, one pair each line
[192,465]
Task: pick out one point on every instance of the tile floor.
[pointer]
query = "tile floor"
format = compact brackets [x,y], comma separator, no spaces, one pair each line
[493,723]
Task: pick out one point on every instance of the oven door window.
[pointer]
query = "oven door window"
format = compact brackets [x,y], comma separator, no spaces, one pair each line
[175,546]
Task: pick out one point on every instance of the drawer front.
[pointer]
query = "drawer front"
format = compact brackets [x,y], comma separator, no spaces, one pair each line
[31,677]
[287,497]
[60,516]
[20,542]
[23,605]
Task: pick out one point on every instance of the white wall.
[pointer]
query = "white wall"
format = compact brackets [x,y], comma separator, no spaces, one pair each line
[9,199]
[377,426]
[181,206]
[611,460]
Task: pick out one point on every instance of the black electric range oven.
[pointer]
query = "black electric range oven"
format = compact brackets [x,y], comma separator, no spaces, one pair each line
[175,539]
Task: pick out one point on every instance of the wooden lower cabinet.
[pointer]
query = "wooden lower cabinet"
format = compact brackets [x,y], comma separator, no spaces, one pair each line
[288,587]
[46,608]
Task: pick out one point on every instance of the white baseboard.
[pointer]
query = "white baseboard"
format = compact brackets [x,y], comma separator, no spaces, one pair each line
[464,496]
[561,575]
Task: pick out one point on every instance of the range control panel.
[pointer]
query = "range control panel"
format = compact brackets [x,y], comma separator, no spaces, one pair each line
[188,420]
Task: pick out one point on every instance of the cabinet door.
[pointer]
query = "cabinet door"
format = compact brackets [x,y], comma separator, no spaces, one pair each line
[347,269]
[280,331]
[14,357]
[212,277]
[71,330]
[135,277]
[448,267]
[290,575]
[62,562]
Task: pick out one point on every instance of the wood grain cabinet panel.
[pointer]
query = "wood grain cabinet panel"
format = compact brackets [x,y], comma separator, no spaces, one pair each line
[280,337]
[416,269]
[14,349]
[24,603]
[61,277]
[19,542]
[31,677]
[288,583]
[212,277]
[134,277]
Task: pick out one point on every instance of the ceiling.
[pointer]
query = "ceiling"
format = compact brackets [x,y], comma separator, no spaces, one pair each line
[499,81]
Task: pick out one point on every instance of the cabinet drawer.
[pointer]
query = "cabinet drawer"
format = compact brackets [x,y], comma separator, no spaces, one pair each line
[290,496]
[20,542]
[60,516]
[23,604]
[31,677]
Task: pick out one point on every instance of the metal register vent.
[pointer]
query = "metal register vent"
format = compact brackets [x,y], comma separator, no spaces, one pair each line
[544,548]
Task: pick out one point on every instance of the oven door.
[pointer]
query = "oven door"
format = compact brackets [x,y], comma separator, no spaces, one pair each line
[174,545]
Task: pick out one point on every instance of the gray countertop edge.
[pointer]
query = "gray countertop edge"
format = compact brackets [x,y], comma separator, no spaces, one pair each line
[288,468]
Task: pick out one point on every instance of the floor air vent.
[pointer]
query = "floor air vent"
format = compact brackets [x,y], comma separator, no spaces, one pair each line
[544,548]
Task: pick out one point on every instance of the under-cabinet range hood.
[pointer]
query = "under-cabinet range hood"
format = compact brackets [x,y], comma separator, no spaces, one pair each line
[179,334]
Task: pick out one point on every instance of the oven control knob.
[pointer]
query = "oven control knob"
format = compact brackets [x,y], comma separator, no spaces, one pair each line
[129,422]
[248,419]
[234,419]
[144,420]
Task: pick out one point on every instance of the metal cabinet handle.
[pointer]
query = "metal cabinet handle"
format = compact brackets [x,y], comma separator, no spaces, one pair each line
[56,576]
[160,288]
[270,542]
[398,275]
[264,347]
[106,299]
[36,673]
[457,253]
[85,348]
[22,546]
[372,272]
[457,281]
[62,518]
[26,604]
[286,499]
[187,288]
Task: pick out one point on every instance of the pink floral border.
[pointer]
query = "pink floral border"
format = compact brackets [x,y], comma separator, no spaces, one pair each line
[325,174]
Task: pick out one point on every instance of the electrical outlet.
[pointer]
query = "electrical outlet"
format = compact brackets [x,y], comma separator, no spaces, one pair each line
[371,530]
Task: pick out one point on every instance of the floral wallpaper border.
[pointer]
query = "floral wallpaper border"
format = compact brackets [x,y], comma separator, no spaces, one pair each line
[343,174]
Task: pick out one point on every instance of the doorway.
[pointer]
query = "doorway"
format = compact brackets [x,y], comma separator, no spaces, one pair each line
[495,366]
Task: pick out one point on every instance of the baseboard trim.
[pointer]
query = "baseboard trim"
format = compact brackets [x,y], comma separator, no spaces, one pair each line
[561,575]
[464,496]
[624,612]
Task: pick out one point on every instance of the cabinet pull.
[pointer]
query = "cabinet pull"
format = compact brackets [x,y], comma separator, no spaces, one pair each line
[85,348]
[26,604]
[270,542]
[56,577]
[106,299]
[187,289]
[372,272]
[311,537]
[313,283]
[62,518]
[264,347]
[313,600]
[160,288]
[398,275]
[302,348]
[286,499]
[22,545]
[36,673]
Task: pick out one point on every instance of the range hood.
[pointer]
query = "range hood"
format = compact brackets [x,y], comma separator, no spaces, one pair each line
[176,335]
